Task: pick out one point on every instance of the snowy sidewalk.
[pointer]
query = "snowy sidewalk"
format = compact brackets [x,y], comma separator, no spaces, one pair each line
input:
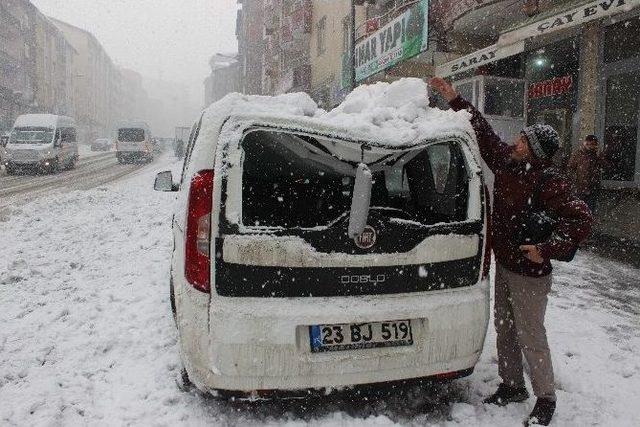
[87,336]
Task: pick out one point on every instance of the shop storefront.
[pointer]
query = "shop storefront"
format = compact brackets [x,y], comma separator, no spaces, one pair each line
[581,70]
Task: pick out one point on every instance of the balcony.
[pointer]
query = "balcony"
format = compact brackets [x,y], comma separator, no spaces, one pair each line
[483,18]
[379,16]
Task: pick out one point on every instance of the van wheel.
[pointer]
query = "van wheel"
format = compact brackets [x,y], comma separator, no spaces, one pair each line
[72,164]
[54,167]
[172,300]
[10,170]
[120,158]
[183,382]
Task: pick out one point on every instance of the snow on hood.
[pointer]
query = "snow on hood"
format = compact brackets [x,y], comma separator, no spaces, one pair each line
[396,114]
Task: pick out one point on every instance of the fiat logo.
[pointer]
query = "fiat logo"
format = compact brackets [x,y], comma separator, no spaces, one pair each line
[367,238]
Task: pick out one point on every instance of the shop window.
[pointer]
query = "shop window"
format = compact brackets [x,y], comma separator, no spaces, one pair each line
[621,126]
[466,91]
[504,98]
[622,40]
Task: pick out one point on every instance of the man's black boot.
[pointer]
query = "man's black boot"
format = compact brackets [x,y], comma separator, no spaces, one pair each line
[542,412]
[507,394]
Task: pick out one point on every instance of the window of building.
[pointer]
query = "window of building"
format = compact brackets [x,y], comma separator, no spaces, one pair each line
[621,124]
[322,35]
[622,40]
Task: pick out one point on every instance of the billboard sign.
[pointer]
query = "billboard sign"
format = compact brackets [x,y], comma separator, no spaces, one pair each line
[404,37]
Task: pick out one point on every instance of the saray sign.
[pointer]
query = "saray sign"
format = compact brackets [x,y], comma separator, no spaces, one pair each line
[404,37]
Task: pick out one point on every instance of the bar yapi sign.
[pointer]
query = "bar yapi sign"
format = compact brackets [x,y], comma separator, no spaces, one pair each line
[404,37]
[553,87]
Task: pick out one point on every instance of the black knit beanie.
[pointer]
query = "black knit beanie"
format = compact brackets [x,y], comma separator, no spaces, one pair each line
[543,140]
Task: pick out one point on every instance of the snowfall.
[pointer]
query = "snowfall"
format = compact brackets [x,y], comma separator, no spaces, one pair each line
[87,335]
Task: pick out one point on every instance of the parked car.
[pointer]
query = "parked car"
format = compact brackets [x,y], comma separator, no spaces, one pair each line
[133,142]
[307,259]
[102,144]
[45,141]
[4,140]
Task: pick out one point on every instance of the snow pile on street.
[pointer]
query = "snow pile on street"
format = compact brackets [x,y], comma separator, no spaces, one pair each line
[395,113]
[87,336]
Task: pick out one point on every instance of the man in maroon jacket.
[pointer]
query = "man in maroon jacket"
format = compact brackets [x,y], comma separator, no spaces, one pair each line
[524,172]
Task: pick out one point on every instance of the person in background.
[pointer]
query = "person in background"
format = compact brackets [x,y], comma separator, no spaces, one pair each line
[585,170]
[523,271]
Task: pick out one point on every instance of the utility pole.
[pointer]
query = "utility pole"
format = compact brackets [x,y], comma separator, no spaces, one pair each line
[353,44]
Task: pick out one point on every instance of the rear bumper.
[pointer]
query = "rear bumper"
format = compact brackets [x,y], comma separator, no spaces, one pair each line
[264,344]
[383,387]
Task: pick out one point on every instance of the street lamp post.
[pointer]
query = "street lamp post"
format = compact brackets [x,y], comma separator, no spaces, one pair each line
[353,44]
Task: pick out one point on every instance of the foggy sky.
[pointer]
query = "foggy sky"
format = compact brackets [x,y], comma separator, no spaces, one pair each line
[168,39]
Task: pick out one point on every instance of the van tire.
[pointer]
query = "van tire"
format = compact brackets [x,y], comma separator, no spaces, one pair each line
[10,170]
[183,382]
[72,163]
[54,167]
[120,158]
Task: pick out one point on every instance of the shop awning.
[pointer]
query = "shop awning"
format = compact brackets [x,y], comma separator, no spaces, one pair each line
[481,57]
[512,42]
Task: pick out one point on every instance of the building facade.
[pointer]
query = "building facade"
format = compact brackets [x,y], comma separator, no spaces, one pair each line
[17,60]
[330,52]
[250,32]
[224,77]
[97,84]
[274,38]
[54,92]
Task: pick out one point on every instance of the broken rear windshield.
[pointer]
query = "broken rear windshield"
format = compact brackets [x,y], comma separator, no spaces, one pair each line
[293,181]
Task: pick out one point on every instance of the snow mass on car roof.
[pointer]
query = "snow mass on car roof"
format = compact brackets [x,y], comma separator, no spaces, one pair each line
[392,114]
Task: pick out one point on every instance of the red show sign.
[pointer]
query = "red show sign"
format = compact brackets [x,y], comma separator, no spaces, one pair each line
[552,87]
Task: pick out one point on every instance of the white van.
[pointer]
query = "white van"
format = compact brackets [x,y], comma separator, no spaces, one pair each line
[308,258]
[133,142]
[45,141]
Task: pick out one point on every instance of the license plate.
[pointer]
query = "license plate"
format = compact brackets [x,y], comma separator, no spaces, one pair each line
[360,335]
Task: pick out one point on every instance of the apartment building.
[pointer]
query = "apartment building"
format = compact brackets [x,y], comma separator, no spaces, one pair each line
[54,58]
[17,60]
[330,52]
[97,84]
[224,77]
[250,32]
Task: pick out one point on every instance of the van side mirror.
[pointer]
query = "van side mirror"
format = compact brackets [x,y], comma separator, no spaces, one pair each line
[164,182]
[360,201]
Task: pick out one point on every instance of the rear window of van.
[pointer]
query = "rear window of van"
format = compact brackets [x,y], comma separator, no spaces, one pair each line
[131,135]
[286,185]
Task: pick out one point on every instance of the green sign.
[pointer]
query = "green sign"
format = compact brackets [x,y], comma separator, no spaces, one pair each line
[406,36]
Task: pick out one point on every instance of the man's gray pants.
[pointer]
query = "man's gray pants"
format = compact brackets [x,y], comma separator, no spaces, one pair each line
[520,305]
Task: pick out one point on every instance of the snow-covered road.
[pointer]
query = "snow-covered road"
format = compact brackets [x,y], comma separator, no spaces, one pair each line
[87,336]
[93,169]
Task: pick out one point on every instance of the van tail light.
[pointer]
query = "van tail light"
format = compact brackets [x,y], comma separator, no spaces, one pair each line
[486,263]
[198,242]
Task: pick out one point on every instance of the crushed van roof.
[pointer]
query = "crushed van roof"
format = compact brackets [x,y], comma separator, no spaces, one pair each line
[393,114]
